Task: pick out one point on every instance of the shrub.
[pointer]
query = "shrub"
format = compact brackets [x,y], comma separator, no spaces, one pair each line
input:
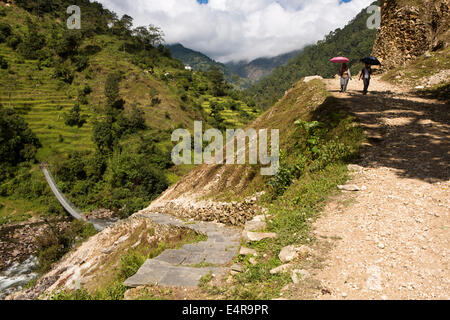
[14,41]
[87,90]
[74,117]
[3,63]
[64,73]
[156,101]
[80,62]
[57,241]
[17,142]
[130,264]
[5,31]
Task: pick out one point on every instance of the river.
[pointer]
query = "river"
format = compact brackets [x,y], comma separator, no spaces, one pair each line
[17,275]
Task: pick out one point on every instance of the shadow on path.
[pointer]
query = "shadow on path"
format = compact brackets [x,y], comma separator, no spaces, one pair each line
[404,132]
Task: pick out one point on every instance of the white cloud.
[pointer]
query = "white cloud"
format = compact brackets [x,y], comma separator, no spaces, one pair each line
[241,29]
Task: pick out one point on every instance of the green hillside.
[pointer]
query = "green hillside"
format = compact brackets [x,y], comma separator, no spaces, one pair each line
[354,41]
[102,101]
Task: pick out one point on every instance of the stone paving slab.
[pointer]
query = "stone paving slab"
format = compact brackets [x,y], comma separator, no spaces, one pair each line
[164,274]
[174,267]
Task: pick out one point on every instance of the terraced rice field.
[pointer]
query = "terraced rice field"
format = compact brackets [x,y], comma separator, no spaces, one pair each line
[232,118]
[43,101]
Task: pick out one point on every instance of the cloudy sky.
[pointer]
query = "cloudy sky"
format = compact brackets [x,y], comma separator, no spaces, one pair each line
[236,30]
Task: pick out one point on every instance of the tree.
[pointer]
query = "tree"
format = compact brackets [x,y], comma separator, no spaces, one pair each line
[148,37]
[104,136]
[5,31]
[112,88]
[74,118]
[123,26]
[68,44]
[137,118]
[17,142]
[32,43]
[219,85]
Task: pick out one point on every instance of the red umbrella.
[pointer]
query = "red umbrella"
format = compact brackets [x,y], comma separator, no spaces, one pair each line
[340,60]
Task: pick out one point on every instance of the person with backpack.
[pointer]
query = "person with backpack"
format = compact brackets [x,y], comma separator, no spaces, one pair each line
[366,75]
[345,75]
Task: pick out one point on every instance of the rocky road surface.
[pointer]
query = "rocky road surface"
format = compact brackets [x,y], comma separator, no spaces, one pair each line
[393,235]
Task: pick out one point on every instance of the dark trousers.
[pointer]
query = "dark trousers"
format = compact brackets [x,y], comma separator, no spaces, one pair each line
[366,85]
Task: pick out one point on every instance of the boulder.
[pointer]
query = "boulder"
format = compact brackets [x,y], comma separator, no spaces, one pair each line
[236,268]
[288,254]
[248,252]
[298,275]
[255,225]
[281,269]
[258,236]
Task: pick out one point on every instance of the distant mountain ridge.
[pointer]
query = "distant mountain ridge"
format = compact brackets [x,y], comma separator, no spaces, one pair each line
[243,73]
[259,68]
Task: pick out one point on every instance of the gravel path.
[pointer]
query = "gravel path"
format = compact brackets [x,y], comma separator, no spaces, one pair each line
[393,237]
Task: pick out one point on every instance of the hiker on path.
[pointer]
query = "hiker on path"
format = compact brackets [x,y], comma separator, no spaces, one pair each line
[365,75]
[345,75]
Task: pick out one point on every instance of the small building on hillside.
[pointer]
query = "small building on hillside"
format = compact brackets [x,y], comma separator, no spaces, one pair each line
[188,67]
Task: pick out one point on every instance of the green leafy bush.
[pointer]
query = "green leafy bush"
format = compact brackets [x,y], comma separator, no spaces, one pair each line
[5,31]
[59,240]
[14,41]
[130,264]
[3,63]
[17,142]
[32,42]
[64,73]
[74,118]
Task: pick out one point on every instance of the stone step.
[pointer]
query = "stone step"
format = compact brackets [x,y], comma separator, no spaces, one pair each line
[176,267]
[161,273]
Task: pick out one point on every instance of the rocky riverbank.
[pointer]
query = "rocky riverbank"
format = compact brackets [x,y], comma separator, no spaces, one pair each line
[19,241]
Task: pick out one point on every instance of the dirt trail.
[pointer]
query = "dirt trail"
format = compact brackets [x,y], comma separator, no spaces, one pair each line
[391,240]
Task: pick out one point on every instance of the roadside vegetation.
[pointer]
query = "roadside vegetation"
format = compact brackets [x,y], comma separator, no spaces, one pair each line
[320,139]
[432,67]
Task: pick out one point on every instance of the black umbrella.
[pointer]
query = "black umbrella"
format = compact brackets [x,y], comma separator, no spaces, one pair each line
[371,60]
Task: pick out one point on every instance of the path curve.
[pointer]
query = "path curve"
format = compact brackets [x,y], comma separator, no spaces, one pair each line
[393,237]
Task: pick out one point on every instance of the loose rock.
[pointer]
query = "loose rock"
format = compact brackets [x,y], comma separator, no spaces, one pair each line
[288,254]
[247,252]
[296,273]
[349,187]
[282,268]
[258,236]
